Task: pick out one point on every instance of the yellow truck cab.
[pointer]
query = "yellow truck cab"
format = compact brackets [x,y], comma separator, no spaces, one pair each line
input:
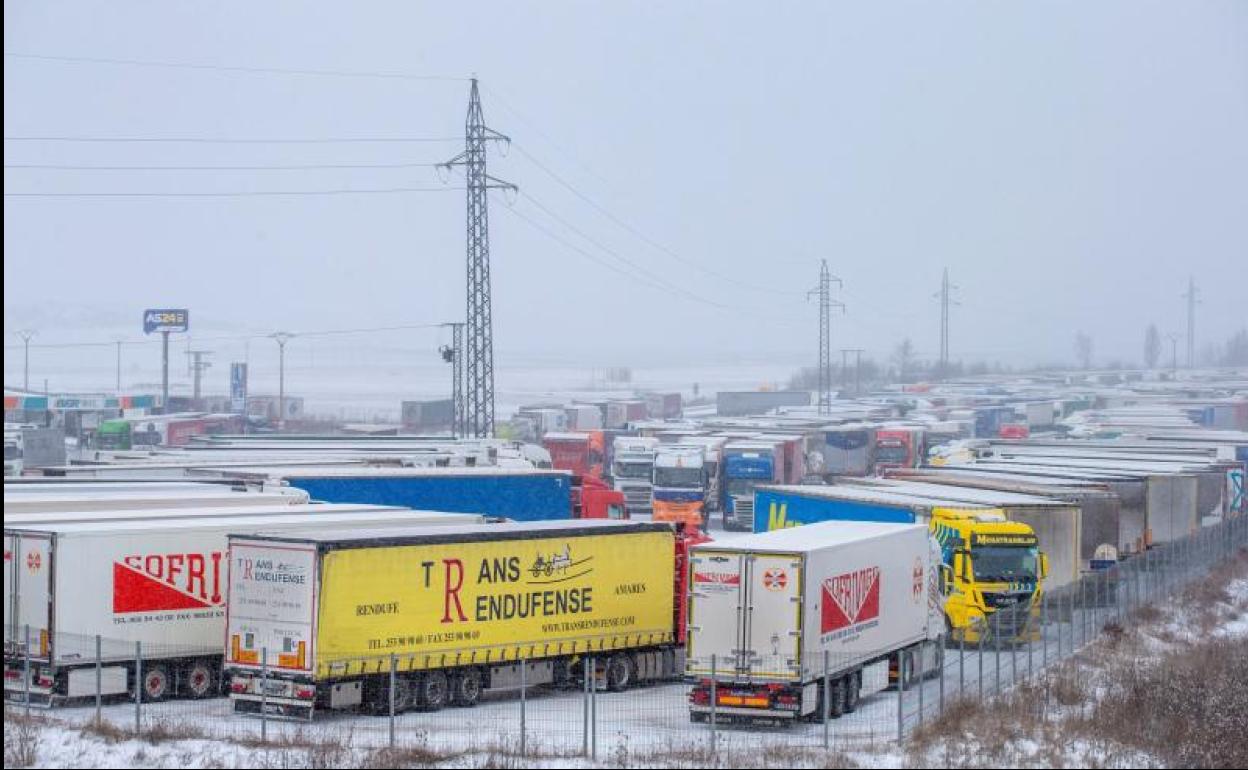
[995,571]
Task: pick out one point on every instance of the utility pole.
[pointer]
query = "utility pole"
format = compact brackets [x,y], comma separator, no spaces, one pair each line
[26,334]
[198,365]
[826,303]
[281,338]
[164,372]
[455,356]
[945,302]
[119,367]
[1174,354]
[479,350]
[1190,295]
[857,367]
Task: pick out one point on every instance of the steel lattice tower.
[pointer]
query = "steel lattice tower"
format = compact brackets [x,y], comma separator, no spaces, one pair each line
[478,398]
[1190,295]
[945,301]
[455,356]
[826,304]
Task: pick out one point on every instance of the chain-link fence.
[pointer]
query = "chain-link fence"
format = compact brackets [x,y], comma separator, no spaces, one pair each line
[583,707]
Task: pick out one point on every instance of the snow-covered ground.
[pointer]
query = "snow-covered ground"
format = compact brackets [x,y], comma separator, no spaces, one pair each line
[643,726]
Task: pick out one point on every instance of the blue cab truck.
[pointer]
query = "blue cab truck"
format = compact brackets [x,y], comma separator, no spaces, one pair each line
[745,465]
[519,494]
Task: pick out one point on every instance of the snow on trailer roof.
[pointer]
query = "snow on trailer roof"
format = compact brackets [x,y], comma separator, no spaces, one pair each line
[365,537]
[1052,471]
[87,499]
[1025,479]
[989,497]
[278,472]
[1147,468]
[860,494]
[809,537]
[206,512]
[246,523]
[75,487]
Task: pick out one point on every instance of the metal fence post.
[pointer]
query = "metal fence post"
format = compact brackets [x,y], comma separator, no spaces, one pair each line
[962,663]
[1030,644]
[138,688]
[588,663]
[940,691]
[996,650]
[982,631]
[1014,647]
[523,704]
[714,703]
[593,716]
[394,663]
[918,664]
[99,678]
[264,694]
[1044,629]
[26,668]
[827,695]
[901,694]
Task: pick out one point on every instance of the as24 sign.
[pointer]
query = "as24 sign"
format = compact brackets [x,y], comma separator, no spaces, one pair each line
[164,320]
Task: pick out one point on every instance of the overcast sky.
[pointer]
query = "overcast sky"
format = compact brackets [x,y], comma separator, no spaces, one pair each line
[1071,163]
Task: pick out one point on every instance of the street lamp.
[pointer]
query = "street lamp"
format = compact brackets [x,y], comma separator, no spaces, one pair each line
[26,334]
[281,338]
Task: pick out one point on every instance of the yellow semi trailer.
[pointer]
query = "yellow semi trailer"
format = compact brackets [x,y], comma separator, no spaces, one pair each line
[322,618]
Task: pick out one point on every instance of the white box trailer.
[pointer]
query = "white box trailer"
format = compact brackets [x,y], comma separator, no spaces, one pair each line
[97,501]
[773,616]
[158,583]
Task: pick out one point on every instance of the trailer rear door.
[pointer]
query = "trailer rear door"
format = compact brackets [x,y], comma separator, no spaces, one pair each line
[716,610]
[272,607]
[28,587]
[773,635]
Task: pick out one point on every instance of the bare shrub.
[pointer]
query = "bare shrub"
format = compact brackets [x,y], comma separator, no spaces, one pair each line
[21,741]
[164,730]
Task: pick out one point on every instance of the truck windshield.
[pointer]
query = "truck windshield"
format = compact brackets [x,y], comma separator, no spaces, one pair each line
[891,454]
[741,486]
[678,477]
[633,470]
[1004,563]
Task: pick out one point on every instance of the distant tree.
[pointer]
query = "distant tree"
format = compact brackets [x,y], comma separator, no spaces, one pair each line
[1083,349]
[904,357]
[1237,349]
[1152,346]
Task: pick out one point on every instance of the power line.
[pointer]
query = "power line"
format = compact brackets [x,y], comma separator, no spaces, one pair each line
[233,68]
[232,337]
[232,194]
[642,236]
[232,140]
[300,167]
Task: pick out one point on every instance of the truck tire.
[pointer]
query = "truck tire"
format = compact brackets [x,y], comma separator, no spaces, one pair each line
[853,691]
[836,706]
[404,694]
[621,672]
[199,679]
[156,683]
[466,687]
[433,691]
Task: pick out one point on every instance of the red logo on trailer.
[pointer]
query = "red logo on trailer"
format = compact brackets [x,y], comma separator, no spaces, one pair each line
[33,562]
[850,599]
[167,581]
[775,579]
[718,578]
[917,588]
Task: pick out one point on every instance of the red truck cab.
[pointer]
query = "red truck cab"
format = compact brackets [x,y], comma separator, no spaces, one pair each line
[593,499]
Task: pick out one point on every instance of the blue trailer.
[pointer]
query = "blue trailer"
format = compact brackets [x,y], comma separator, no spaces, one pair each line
[519,494]
[780,507]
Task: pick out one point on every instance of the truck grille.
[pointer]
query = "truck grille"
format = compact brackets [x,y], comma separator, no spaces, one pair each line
[743,510]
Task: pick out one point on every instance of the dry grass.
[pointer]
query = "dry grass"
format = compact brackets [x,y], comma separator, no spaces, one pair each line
[21,739]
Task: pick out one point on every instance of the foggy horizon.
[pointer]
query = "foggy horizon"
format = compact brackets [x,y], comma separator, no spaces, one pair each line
[1070,164]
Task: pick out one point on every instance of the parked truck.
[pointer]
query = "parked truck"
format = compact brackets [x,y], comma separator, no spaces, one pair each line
[898,447]
[456,610]
[747,465]
[157,582]
[632,471]
[680,481]
[983,576]
[582,452]
[774,617]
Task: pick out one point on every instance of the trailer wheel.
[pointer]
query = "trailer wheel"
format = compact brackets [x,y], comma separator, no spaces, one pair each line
[836,706]
[853,692]
[466,687]
[199,679]
[620,672]
[155,682]
[433,691]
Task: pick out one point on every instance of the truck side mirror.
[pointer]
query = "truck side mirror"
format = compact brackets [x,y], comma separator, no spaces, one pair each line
[1044,566]
[959,565]
[946,579]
